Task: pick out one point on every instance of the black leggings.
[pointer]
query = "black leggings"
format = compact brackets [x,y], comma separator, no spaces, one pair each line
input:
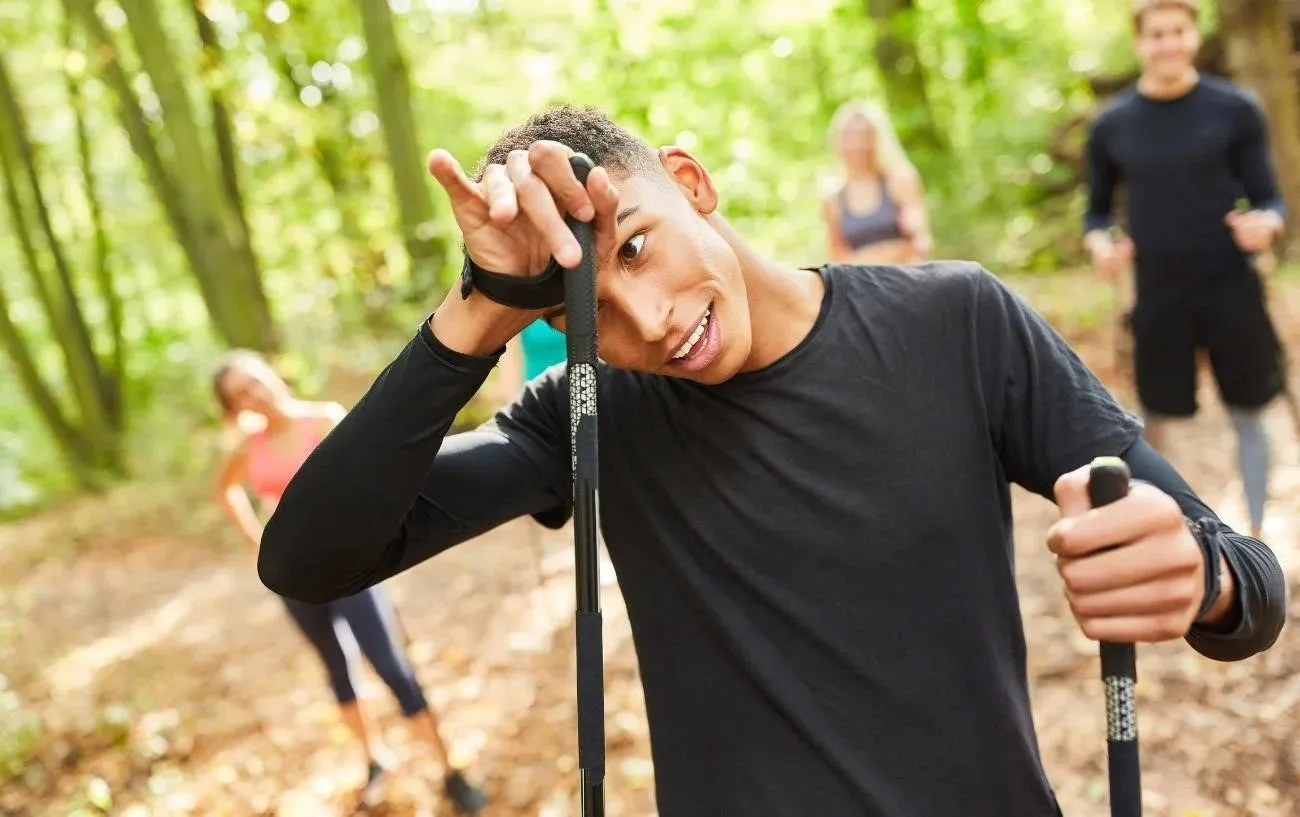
[372,621]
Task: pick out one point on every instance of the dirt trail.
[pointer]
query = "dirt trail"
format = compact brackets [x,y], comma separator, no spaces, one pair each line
[170,682]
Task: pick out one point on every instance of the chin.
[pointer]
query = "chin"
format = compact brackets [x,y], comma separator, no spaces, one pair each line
[1173,70]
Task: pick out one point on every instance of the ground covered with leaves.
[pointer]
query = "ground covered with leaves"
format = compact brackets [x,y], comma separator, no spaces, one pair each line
[147,671]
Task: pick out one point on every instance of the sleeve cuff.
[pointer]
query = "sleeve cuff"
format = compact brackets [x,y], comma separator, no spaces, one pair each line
[470,364]
[1093,223]
[1206,636]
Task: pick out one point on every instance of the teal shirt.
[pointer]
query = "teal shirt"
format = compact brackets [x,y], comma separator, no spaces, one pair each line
[543,347]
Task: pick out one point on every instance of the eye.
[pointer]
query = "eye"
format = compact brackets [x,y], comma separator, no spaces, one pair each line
[631,248]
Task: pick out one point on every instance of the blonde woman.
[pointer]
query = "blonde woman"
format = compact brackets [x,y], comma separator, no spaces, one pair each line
[875,212]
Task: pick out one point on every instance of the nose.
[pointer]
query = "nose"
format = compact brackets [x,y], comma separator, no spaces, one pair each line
[648,309]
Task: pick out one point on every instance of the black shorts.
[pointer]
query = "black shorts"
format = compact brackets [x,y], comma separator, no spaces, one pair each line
[1230,322]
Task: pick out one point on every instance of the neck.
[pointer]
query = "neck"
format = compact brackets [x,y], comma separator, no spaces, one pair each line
[1157,87]
[783,300]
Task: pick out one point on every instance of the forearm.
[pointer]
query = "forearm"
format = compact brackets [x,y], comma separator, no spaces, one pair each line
[1101,187]
[917,220]
[236,505]
[1251,608]
[1255,167]
[341,520]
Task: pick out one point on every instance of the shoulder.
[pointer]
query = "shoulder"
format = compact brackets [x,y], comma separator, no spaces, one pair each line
[929,279]
[830,198]
[322,415]
[325,410]
[928,294]
[905,183]
[1221,89]
[1224,95]
[1122,104]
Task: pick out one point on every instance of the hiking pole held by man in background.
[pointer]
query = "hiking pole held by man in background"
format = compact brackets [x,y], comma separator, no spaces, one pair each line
[580,338]
[1108,481]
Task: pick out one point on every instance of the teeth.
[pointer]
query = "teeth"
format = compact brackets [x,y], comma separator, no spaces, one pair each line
[694,338]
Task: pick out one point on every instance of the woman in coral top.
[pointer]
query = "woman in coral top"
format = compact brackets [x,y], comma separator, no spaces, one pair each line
[266,460]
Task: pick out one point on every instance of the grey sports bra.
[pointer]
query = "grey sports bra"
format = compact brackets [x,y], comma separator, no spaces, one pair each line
[861,229]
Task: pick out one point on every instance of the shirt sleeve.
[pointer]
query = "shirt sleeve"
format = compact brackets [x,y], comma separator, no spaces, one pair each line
[1048,414]
[1261,605]
[388,488]
[1102,177]
[1251,161]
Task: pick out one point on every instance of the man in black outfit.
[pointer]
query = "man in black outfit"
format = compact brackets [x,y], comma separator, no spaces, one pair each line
[1187,148]
[804,490]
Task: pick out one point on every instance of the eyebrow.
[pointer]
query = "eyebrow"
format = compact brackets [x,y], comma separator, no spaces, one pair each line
[626,213]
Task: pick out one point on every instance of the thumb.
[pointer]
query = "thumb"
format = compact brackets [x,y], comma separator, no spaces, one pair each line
[1071,492]
[1233,218]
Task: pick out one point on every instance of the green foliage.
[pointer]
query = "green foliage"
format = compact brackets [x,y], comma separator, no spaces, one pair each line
[748,86]
[20,733]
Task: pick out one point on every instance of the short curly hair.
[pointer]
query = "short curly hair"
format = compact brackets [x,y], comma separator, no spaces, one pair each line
[585,129]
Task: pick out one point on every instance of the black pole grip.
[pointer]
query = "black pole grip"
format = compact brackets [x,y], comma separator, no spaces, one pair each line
[1108,481]
[580,346]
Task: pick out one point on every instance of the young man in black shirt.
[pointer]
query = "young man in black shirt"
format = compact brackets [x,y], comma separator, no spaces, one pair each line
[1187,148]
[804,490]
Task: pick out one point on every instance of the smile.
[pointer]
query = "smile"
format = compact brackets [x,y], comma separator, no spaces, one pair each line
[695,336]
[700,347]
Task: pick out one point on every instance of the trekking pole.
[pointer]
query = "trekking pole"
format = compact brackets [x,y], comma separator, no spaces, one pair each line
[1108,481]
[580,340]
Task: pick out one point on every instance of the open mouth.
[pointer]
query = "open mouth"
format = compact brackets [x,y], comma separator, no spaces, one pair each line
[699,349]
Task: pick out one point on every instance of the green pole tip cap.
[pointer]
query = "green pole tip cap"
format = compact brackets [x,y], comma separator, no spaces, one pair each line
[1109,462]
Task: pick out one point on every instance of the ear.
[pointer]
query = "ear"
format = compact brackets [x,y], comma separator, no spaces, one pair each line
[690,177]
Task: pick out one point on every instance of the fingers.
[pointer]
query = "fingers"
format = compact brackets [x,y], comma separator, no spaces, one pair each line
[539,205]
[539,183]
[1163,595]
[1136,564]
[1137,629]
[1071,492]
[448,173]
[503,205]
[1145,511]
[604,199]
[550,162]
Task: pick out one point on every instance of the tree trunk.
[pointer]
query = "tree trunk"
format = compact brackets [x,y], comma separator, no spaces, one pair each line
[70,442]
[393,94]
[210,269]
[115,375]
[214,76]
[63,310]
[903,73]
[244,311]
[1259,50]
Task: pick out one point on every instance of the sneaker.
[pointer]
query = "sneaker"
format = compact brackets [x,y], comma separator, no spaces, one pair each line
[373,792]
[467,798]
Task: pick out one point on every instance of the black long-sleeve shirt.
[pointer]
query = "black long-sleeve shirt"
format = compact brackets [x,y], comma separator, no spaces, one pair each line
[816,557]
[1184,163]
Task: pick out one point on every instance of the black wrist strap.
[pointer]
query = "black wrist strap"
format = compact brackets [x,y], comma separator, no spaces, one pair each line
[533,292]
[1207,533]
